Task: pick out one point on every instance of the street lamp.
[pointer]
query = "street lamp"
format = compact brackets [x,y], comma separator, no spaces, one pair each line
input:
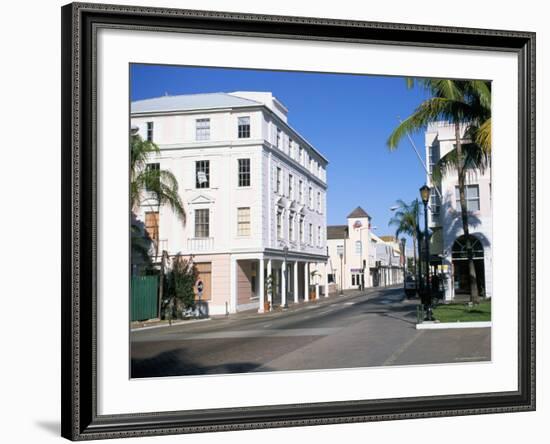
[404,264]
[340,251]
[427,293]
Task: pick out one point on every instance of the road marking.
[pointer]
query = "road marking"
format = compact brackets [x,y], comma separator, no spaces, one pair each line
[267,325]
[350,303]
[393,357]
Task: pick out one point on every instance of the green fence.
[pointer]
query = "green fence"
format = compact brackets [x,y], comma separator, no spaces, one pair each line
[144,302]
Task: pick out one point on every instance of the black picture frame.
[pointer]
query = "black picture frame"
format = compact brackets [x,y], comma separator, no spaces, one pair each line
[80,420]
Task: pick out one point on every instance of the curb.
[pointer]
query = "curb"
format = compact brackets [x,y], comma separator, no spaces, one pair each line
[451,325]
[168,325]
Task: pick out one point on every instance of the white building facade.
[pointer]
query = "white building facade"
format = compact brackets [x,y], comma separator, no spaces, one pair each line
[254,192]
[358,258]
[447,246]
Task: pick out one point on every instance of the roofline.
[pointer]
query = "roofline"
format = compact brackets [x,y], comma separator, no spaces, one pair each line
[278,102]
[260,106]
[297,134]
[192,110]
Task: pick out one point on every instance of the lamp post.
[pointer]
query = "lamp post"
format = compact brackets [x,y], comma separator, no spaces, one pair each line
[340,250]
[427,293]
[404,264]
[419,285]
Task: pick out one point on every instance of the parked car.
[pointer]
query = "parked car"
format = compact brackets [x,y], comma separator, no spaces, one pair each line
[410,286]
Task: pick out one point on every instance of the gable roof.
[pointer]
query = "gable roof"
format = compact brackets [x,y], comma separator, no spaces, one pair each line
[358,213]
[190,102]
[337,232]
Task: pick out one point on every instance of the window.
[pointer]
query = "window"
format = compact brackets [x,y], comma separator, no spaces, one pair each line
[290,186]
[243,221]
[244,127]
[153,179]
[435,203]
[290,147]
[203,129]
[356,279]
[152,225]
[331,278]
[278,138]
[149,131]
[310,198]
[202,223]
[279,225]
[472,197]
[202,174]
[319,201]
[358,247]
[244,172]
[433,157]
[319,236]
[291,226]
[301,154]
[310,234]
[302,238]
[301,191]
[279,175]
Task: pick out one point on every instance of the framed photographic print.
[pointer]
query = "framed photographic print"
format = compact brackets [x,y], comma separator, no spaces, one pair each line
[280,221]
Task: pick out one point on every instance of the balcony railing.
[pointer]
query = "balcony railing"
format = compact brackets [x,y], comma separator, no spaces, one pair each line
[200,243]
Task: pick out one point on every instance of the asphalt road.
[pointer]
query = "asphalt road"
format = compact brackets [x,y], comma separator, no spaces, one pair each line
[373,328]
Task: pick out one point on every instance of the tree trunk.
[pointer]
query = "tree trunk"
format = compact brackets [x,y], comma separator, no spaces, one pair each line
[472,276]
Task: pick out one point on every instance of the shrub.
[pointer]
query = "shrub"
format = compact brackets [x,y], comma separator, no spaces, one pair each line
[181,283]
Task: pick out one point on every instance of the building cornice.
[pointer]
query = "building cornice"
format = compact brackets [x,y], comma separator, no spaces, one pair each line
[296,135]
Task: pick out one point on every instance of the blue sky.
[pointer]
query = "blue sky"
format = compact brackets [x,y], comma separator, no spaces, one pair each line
[348,118]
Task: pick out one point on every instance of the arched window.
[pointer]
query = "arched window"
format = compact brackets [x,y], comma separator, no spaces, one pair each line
[460,251]
[357,247]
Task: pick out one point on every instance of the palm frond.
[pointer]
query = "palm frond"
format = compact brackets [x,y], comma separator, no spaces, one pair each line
[483,136]
[474,158]
[431,110]
[162,184]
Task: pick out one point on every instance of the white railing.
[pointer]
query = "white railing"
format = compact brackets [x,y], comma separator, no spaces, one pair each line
[200,243]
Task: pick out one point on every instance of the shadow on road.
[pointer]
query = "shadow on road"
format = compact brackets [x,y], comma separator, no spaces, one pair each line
[174,363]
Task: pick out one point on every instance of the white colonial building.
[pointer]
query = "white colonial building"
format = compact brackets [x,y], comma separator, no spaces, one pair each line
[360,259]
[254,191]
[447,247]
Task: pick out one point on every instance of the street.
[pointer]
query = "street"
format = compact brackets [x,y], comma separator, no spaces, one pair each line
[375,327]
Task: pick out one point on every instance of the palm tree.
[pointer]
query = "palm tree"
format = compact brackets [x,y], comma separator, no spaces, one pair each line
[146,181]
[404,220]
[466,104]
